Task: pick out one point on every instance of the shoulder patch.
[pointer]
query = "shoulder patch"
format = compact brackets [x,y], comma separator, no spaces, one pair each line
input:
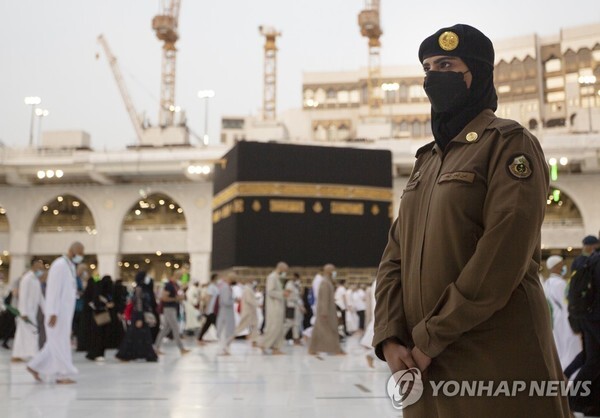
[425,148]
[519,166]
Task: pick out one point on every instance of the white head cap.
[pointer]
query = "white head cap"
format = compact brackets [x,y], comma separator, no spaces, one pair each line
[552,261]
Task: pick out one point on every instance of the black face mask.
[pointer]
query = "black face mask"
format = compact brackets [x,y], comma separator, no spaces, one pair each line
[447,90]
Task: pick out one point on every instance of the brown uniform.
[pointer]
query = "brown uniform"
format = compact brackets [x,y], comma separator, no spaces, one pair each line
[458,278]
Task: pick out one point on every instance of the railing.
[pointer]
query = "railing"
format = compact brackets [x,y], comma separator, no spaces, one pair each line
[553,223]
[77,228]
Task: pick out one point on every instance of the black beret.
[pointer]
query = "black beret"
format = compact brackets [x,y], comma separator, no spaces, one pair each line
[590,240]
[461,41]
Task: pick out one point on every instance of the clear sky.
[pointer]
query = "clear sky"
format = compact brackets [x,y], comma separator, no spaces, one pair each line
[49,49]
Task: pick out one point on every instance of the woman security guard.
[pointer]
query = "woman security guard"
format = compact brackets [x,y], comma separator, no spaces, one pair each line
[458,294]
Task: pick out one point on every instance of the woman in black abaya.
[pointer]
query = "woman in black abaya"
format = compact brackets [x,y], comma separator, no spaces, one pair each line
[137,343]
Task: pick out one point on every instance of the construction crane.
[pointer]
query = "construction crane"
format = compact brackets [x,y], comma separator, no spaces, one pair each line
[166,27]
[370,27]
[270,72]
[135,118]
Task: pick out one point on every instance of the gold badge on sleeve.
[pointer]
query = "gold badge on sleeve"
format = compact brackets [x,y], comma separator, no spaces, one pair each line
[520,167]
[448,41]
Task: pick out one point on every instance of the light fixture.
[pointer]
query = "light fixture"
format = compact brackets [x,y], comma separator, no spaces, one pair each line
[168,264]
[60,198]
[552,161]
[93,266]
[138,212]
[136,266]
[564,161]
[41,174]
[55,212]
[45,208]
[179,210]
[2,211]
[161,202]
[176,266]
[59,173]
[206,94]
[76,203]
[390,86]
[311,103]
[126,264]
[50,174]
[32,100]
[147,261]
[171,206]
[158,253]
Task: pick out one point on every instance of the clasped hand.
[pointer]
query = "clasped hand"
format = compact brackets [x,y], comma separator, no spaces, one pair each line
[399,357]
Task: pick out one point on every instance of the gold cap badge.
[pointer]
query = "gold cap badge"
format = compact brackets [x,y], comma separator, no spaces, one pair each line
[520,167]
[448,41]
[472,136]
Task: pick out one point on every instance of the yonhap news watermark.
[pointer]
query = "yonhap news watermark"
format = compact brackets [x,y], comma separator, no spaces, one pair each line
[406,387]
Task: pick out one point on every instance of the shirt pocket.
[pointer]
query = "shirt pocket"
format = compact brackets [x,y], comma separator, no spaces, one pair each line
[412,184]
[467,177]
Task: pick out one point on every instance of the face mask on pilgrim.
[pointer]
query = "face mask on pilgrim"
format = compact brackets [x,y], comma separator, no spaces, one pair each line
[447,90]
[77,259]
[563,271]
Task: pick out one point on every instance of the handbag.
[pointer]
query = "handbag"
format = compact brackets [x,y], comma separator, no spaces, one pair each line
[290,312]
[150,319]
[102,318]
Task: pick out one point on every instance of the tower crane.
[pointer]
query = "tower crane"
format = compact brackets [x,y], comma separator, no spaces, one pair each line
[370,27]
[166,27]
[270,72]
[135,118]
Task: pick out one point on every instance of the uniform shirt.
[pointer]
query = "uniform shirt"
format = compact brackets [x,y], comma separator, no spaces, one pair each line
[466,237]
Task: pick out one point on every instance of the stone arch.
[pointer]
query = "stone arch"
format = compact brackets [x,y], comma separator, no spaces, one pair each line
[157,209]
[65,213]
[561,208]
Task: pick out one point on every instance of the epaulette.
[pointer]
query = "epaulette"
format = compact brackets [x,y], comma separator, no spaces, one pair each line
[424,148]
[506,126]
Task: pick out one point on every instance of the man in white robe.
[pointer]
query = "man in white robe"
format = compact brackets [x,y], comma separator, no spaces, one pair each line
[274,310]
[191,307]
[55,358]
[31,298]
[568,344]
[225,315]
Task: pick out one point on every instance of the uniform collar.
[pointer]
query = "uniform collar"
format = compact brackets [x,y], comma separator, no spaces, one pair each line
[475,127]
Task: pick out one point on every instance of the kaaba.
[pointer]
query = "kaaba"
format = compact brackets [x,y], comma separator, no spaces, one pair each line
[305,205]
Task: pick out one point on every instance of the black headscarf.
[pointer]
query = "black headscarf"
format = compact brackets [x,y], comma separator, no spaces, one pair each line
[477,52]
[139,278]
[482,95]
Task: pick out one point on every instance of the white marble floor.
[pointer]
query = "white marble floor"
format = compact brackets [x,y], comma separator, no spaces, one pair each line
[201,384]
